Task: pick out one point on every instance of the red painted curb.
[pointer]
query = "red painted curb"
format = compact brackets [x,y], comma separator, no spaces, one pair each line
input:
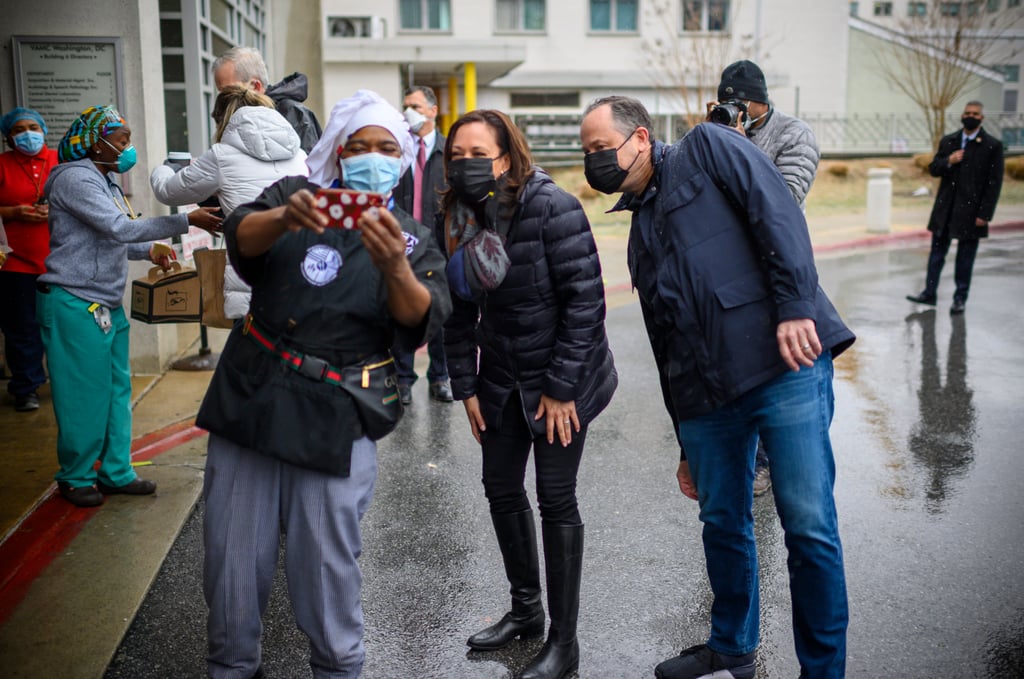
[888,238]
[53,524]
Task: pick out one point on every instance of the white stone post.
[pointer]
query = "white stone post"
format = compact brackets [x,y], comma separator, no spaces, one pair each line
[879,200]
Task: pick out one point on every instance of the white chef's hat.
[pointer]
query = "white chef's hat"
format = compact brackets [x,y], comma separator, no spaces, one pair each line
[348,116]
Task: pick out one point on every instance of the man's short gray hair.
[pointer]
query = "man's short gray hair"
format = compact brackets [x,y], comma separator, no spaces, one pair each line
[975,102]
[248,63]
[428,93]
[628,113]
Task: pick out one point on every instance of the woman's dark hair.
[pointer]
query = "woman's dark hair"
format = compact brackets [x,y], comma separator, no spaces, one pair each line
[511,142]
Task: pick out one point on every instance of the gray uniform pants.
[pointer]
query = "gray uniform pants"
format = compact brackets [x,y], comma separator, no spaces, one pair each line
[249,499]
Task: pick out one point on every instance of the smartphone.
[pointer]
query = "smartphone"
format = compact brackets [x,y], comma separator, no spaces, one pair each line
[342,207]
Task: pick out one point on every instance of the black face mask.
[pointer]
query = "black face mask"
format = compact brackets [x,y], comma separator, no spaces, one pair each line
[472,179]
[970,124]
[601,168]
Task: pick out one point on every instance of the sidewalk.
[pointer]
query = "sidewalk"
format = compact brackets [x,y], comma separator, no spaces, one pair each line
[72,579]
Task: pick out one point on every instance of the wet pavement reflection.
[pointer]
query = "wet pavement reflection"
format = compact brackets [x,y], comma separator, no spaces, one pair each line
[929,491]
[942,440]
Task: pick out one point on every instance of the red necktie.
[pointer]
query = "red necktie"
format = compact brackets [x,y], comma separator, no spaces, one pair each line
[417,182]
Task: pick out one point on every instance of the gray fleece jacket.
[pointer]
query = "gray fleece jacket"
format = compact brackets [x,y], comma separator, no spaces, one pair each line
[791,145]
[91,238]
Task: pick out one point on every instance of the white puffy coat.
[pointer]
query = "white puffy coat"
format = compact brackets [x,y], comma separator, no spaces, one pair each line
[258,148]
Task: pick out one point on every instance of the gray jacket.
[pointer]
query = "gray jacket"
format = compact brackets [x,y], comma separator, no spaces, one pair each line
[791,145]
[91,238]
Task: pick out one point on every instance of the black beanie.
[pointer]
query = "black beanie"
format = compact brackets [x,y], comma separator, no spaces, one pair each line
[743,80]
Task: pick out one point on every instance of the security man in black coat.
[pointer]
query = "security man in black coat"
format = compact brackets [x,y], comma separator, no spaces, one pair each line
[420,197]
[970,163]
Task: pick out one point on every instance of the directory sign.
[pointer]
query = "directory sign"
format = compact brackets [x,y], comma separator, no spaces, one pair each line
[62,76]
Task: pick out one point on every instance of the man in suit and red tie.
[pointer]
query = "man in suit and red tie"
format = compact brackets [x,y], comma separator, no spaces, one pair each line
[418,193]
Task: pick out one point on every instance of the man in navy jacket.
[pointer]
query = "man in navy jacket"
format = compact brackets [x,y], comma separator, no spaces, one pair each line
[744,340]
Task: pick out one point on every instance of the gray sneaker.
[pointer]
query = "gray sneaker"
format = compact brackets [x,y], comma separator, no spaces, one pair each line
[700,662]
[762,481]
[26,403]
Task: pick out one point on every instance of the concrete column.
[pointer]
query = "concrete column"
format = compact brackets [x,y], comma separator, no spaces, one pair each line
[879,200]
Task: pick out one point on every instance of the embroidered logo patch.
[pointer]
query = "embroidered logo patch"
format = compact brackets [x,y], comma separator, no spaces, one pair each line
[410,242]
[321,264]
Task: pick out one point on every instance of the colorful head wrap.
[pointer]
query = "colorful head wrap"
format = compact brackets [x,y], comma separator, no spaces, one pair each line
[91,124]
[348,116]
[20,113]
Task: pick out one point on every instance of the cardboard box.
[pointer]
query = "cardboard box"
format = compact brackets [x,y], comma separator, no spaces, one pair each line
[167,296]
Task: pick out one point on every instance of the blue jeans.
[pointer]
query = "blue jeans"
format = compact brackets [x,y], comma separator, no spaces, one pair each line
[791,413]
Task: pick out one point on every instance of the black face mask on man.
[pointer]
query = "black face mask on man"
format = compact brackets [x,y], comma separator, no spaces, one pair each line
[472,179]
[601,168]
[970,124]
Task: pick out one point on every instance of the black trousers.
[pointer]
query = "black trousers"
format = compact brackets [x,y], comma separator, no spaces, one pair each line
[966,250]
[23,343]
[505,453]
[437,369]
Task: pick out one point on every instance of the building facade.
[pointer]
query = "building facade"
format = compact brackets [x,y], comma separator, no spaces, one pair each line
[993,35]
[545,57]
[540,60]
[150,58]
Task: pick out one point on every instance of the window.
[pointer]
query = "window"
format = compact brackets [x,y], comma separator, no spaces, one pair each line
[705,15]
[538,99]
[424,15]
[1010,101]
[973,8]
[1013,3]
[1010,71]
[349,27]
[520,15]
[917,9]
[613,15]
[189,42]
[883,9]
[950,9]
[993,5]
[854,8]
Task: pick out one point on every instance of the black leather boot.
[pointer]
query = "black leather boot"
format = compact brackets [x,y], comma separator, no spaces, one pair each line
[563,558]
[517,538]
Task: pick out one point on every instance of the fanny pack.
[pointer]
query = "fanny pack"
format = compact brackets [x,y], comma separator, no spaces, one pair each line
[372,383]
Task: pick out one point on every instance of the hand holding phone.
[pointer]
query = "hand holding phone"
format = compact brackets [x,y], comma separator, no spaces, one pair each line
[342,207]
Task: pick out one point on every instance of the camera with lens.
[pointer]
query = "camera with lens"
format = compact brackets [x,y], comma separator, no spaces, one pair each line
[728,112]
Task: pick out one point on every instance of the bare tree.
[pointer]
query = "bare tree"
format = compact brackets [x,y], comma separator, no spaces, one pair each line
[688,67]
[934,55]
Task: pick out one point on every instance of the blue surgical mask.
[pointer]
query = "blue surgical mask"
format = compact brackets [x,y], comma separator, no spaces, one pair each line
[371,172]
[29,142]
[125,159]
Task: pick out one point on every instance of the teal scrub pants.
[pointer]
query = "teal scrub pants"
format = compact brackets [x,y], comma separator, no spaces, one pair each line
[92,389]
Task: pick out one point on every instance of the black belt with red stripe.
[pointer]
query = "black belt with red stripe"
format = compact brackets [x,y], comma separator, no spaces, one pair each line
[313,367]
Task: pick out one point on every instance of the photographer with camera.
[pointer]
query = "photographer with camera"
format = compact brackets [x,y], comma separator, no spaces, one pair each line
[789,143]
[744,338]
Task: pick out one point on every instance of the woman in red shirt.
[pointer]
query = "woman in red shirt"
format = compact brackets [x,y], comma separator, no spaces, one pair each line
[23,173]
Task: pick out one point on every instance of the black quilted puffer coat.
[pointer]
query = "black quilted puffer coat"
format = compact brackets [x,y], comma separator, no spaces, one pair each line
[542,330]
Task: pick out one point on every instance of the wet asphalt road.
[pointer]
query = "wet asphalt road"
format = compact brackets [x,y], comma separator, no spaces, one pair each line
[929,456]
